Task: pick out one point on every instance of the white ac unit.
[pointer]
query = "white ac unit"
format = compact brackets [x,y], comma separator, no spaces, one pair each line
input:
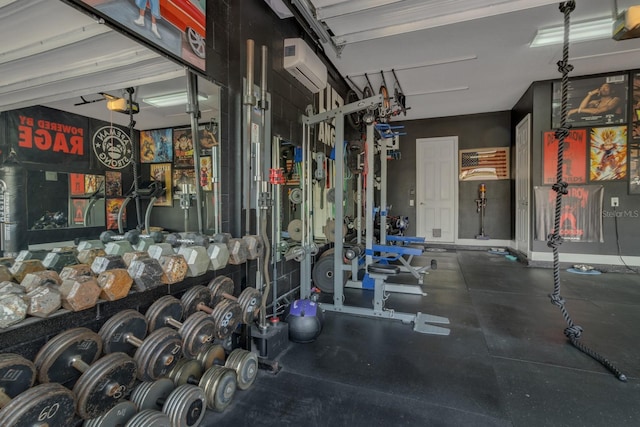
[304,65]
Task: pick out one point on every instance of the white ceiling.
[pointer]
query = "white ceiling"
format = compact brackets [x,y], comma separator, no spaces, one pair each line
[468,56]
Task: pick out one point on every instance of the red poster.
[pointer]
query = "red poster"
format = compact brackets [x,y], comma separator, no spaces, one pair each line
[574,164]
[76,184]
[78,206]
[113,207]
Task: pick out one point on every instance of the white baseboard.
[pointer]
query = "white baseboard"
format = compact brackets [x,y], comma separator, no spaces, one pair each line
[587,258]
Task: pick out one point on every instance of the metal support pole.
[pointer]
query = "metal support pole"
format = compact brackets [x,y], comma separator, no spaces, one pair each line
[193,109]
[249,102]
[369,193]
[383,191]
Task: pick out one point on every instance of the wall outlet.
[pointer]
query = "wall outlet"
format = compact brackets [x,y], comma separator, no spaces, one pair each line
[411,202]
[615,202]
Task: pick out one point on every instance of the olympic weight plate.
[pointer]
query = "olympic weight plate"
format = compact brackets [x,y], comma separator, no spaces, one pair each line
[117,332]
[104,384]
[43,405]
[198,294]
[17,374]
[116,416]
[227,316]
[245,363]
[158,353]
[212,355]
[323,273]
[295,230]
[197,332]
[219,385]
[184,371]
[149,417]
[186,406]
[54,360]
[162,311]
[295,196]
[249,302]
[218,286]
[151,394]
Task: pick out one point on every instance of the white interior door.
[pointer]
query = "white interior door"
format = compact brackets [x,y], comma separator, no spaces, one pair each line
[437,188]
[523,143]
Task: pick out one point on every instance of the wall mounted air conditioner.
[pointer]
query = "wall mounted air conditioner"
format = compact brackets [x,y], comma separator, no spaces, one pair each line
[304,65]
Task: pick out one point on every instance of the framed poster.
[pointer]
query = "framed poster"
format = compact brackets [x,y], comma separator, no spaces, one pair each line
[156,146]
[182,177]
[162,172]
[206,174]
[481,164]
[593,101]
[93,183]
[182,148]
[112,209]
[208,135]
[78,207]
[113,186]
[634,168]
[608,153]
[76,184]
[574,164]
[636,107]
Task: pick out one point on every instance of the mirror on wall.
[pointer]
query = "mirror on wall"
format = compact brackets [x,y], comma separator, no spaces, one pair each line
[58,200]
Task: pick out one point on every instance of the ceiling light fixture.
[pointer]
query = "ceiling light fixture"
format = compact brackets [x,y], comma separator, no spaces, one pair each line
[582,31]
[171,99]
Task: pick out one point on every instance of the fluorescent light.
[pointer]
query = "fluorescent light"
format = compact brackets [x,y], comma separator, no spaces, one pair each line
[580,32]
[171,99]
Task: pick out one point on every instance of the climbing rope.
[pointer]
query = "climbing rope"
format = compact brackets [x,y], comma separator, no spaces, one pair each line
[573,332]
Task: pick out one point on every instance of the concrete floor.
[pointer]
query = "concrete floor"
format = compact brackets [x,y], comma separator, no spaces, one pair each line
[505,363]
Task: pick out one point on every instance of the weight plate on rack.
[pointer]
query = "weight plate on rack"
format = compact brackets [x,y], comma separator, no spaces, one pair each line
[158,353]
[219,385]
[104,384]
[147,394]
[198,294]
[249,302]
[116,416]
[43,405]
[295,230]
[54,360]
[186,405]
[184,370]
[17,374]
[197,332]
[227,315]
[149,417]
[166,307]
[245,363]
[116,331]
[218,286]
[212,355]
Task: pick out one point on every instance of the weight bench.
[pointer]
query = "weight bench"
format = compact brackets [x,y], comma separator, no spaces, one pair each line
[421,322]
[395,253]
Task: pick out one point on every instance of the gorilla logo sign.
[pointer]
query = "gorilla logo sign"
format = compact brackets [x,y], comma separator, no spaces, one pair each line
[113,147]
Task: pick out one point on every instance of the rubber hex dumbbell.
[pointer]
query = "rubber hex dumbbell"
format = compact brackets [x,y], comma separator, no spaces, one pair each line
[193,247]
[218,382]
[98,384]
[116,244]
[147,240]
[190,239]
[21,404]
[155,355]
[249,299]
[243,362]
[197,330]
[227,315]
[59,258]
[185,405]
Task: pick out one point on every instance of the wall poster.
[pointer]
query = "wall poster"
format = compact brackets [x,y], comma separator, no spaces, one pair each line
[608,153]
[112,208]
[574,164]
[481,164]
[78,208]
[593,101]
[76,184]
[113,187]
[162,172]
[182,148]
[184,177]
[581,213]
[636,106]
[634,168]
[206,173]
[156,146]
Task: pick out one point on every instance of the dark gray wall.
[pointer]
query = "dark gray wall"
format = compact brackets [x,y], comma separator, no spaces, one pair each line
[473,131]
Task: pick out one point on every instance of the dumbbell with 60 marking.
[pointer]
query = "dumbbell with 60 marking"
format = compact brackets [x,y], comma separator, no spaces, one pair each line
[243,362]
[249,299]
[227,315]
[185,405]
[98,384]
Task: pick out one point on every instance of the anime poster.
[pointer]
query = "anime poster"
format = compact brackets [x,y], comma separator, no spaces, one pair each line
[636,106]
[634,168]
[113,186]
[112,208]
[608,153]
[206,174]
[208,135]
[184,177]
[156,146]
[581,213]
[574,164]
[93,183]
[162,172]
[182,148]
[78,207]
[76,184]
[593,101]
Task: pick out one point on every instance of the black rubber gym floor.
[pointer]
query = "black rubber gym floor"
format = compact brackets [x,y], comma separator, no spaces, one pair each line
[505,363]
